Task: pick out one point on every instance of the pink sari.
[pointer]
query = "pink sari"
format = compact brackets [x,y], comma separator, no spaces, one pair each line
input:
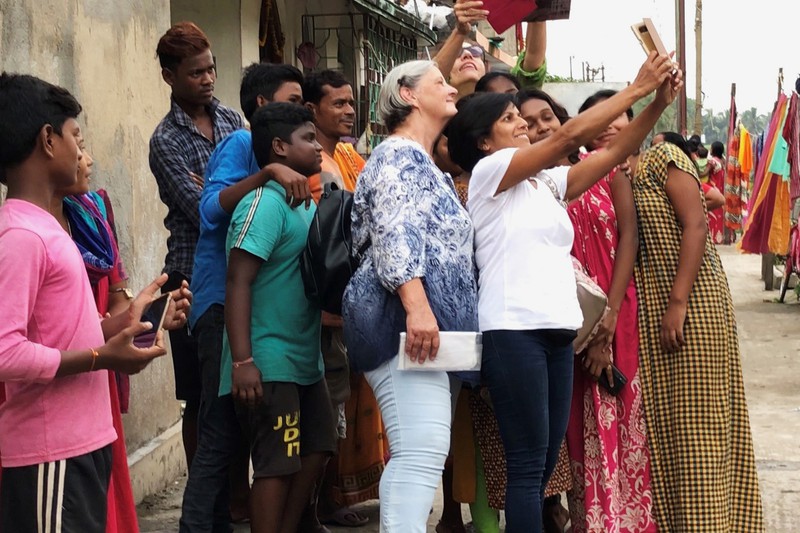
[716,217]
[606,434]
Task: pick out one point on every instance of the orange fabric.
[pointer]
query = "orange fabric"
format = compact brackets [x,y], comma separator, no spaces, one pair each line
[350,164]
[362,454]
[745,151]
[780,229]
[315,185]
[342,168]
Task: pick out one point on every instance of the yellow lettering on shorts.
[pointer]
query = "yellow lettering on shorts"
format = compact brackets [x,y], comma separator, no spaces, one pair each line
[291,435]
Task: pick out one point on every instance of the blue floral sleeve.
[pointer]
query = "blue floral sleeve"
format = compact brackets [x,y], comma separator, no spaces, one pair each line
[399,206]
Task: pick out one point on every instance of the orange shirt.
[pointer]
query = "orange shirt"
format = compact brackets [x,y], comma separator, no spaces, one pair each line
[343,169]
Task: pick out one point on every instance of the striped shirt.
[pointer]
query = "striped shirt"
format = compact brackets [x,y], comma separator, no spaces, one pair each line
[177,148]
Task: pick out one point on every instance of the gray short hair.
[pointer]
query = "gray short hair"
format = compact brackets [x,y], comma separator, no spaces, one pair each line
[392,109]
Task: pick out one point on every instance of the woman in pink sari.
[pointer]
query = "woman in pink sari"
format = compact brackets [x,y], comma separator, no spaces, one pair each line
[716,178]
[606,434]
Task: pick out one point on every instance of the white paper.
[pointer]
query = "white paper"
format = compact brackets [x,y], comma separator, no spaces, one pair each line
[458,351]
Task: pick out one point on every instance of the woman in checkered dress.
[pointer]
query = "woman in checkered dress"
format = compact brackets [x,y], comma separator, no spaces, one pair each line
[703,466]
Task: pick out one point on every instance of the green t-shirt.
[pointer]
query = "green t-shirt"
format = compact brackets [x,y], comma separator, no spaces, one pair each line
[284,325]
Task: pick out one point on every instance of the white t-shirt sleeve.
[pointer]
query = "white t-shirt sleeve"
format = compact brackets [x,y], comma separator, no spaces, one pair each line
[488,173]
[559,177]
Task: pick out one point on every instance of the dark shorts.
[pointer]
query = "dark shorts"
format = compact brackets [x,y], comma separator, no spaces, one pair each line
[183,346]
[290,422]
[68,496]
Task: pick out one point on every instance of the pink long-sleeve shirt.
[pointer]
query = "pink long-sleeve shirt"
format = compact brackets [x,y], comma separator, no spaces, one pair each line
[46,306]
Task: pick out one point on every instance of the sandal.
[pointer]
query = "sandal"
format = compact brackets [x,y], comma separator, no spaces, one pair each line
[345,517]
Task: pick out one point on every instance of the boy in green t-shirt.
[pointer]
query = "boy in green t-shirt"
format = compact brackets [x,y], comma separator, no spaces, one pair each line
[271,359]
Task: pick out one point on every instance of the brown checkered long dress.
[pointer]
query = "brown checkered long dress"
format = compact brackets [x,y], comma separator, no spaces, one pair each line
[703,466]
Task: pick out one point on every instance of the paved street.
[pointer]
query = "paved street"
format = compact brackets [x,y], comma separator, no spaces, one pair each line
[770,340]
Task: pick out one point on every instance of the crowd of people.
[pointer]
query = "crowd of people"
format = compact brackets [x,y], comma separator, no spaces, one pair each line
[470,216]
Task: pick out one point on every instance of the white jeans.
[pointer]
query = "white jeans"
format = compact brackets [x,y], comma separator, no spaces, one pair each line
[415,407]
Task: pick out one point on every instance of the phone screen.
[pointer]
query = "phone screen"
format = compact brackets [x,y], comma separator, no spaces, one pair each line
[154,313]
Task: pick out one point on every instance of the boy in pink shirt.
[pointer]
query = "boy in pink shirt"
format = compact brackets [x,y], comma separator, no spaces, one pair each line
[55,425]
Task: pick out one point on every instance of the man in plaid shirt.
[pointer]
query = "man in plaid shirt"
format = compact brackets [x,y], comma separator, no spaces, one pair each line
[179,150]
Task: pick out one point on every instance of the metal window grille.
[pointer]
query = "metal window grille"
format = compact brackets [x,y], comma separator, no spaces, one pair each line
[367,49]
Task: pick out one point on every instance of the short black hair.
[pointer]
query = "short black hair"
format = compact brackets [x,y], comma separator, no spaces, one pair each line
[717,149]
[264,79]
[276,119]
[472,124]
[313,85]
[599,96]
[702,151]
[535,94]
[483,84]
[678,140]
[27,104]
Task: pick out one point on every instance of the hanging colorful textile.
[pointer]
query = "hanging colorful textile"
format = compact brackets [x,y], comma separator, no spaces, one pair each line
[733,190]
[767,226]
[732,210]
[791,132]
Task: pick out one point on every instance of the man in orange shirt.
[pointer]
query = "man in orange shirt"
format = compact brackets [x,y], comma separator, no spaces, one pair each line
[331,100]
[353,476]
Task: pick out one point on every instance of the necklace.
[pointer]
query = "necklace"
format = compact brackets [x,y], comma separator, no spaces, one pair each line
[69,229]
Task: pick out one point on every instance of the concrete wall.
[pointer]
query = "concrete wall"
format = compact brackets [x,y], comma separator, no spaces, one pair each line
[104,52]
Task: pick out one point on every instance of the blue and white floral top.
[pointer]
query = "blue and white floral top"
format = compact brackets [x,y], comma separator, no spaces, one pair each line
[409,212]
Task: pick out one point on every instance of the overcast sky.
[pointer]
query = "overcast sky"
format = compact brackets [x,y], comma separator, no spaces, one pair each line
[744,45]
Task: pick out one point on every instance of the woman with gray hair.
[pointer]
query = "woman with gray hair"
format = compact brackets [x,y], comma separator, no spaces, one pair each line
[417,276]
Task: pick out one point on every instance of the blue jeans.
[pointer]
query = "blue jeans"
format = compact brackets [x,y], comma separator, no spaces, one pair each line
[206,500]
[415,407]
[529,374]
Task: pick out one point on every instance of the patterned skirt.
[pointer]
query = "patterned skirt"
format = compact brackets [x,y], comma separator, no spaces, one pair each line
[494,457]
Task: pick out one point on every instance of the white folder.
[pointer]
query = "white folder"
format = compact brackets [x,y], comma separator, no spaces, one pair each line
[458,351]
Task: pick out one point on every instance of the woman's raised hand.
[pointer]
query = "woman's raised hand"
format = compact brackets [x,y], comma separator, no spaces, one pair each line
[655,70]
[468,12]
[670,88]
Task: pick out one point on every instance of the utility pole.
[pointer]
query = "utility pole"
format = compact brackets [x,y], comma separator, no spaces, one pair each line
[698,86]
[680,30]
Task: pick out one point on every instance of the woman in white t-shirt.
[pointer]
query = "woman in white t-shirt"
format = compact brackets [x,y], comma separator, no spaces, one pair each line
[527,304]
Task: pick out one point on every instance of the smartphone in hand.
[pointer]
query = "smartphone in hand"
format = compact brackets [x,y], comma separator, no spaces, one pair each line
[648,37]
[619,381]
[155,312]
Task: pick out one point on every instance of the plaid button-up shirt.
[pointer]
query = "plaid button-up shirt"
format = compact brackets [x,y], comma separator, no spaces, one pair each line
[177,148]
